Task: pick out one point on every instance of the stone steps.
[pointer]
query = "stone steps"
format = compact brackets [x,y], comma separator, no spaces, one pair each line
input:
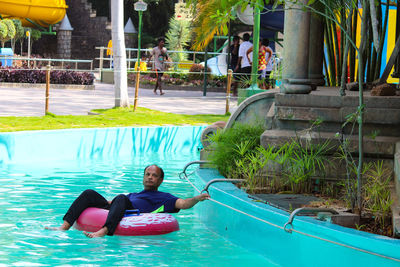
[333,101]
[383,146]
[371,115]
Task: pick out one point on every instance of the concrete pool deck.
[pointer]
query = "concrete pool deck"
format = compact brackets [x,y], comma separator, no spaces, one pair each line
[31,101]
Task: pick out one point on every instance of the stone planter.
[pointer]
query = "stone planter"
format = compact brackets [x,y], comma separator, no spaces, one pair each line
[52,86]
[181,87]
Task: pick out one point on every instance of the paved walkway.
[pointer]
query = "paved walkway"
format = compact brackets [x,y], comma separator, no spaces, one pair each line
[30,101]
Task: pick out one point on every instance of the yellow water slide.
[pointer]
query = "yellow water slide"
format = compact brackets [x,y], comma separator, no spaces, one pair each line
[42,12]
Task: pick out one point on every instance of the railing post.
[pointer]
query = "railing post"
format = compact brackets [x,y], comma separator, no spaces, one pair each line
[129,59]
[205,74]
[228,90]
[46,109]
[136,89]
[101,62]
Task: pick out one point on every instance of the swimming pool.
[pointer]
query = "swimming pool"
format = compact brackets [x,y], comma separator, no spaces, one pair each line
[42,172]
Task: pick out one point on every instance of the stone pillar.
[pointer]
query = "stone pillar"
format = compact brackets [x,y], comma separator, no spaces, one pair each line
[129,31]
[64,44]
[296,50]
[316,54]
[64,36]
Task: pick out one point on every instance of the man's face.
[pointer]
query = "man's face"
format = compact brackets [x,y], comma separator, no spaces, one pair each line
[161,44]
[152,178]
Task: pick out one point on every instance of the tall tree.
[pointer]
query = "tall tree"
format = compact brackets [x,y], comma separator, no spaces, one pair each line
[19,33]
[10,31]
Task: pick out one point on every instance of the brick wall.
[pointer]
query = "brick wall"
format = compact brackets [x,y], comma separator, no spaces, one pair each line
[90,31]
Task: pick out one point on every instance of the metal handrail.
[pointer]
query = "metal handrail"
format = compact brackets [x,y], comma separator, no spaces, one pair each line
[169,51]
[234,181]
[189,164]
[304,210]
[49,60]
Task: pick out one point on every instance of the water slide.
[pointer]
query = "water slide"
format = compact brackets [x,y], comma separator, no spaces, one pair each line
[218,64]
[42,12]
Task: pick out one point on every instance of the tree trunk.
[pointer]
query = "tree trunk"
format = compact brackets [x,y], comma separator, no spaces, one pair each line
[374,24]
[119,54]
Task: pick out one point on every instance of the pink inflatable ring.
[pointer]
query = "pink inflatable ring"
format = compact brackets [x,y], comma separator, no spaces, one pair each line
[92,219]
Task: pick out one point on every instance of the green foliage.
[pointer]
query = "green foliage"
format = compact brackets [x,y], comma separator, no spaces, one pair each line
[11,29]
[376,189]
[35,34]
[7,31]
[302,161]
[236,153]
[224,146]
[19,29]
[3,30]
[177,38]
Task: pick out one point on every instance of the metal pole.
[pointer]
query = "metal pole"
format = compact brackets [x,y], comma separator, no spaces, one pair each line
[101,62]
[138,63]
[46,109]
[256,39]
[228,90]
[29,49]
[229,46]
[139,38]
[205,74]
[136,90]
[129,59]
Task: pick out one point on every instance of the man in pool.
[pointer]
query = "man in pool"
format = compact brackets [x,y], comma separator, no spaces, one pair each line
[148,200]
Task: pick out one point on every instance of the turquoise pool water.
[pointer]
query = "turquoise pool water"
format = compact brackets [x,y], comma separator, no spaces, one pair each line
[37,191]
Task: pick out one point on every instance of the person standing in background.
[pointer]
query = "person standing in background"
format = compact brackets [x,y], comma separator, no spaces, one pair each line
[234,51]
[159,55]
[264,56]
[243,62]
[269,64]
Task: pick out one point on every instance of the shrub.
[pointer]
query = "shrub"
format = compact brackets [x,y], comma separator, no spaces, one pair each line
[196,72]
[223,152]
[10,31]
[39,76]
[3,30]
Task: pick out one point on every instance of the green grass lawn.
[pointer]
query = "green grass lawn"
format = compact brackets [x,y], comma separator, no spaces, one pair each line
[116,117]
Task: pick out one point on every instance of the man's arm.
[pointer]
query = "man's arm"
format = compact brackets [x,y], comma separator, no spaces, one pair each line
[269,50]
[235,50]
[238,64]
[248,52]
[190,202]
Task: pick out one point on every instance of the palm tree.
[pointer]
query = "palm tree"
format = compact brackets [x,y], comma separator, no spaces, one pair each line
[211,18]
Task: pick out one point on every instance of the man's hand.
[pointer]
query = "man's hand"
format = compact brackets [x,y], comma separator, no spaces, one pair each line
[190,202]
[202,197]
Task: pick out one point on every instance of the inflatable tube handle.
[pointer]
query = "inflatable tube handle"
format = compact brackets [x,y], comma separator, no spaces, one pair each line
[129,213]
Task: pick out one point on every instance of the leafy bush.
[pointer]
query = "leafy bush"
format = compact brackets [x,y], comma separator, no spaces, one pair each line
[3,30]
[196,72]
[39,76]
[10,31]
[223,152]
[237,153]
